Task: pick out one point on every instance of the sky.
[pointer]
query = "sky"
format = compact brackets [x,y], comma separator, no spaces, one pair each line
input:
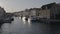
[19,5]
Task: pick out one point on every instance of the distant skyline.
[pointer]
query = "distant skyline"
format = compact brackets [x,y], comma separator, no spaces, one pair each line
[19,5]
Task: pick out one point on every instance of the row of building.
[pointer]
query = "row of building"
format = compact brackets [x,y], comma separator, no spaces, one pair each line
[49,11]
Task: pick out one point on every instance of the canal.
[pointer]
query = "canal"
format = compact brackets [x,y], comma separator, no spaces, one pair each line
[20,26]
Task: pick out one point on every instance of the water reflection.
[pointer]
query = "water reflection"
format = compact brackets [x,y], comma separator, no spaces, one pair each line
[19,26]
[5,28]
[26,22]
[55,29]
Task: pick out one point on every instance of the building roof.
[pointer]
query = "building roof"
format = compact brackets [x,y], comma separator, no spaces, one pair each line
[48,5]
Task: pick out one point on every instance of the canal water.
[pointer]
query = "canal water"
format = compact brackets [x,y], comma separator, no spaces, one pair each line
[20,26]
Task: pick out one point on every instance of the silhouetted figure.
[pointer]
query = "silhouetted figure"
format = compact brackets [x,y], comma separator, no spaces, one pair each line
[26,19]
[1,24]
[21,17]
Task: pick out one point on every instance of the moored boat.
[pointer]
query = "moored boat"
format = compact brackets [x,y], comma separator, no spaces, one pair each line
[33,19]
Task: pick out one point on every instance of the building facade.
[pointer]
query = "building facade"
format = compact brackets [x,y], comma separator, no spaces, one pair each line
[55,11]
[2,13]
